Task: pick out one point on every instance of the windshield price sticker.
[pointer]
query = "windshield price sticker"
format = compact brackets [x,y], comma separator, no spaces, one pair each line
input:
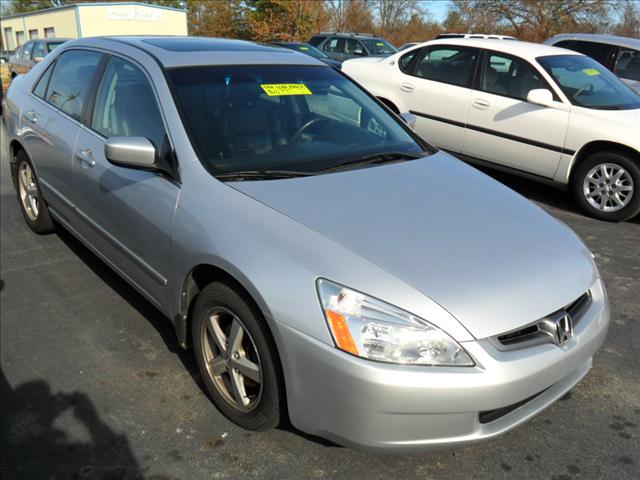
[281,89]
[591,71]
[304,48]
[380,44]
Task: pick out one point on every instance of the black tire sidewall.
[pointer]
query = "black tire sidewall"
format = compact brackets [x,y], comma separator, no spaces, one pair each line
[618,158]
[43,222]
[267,414]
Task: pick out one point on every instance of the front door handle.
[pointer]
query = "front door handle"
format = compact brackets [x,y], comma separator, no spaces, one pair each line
[481,104]
[86,157]
[407,87]
[31,116]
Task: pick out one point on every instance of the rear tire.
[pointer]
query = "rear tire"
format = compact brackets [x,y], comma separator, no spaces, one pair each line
[33,206]
[240,370]
[606,186]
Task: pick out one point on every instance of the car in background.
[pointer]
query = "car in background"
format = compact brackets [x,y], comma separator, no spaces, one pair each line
[308,49]
[552,114]
[475,35]
[32,52]
[408,45]
[621,55]
[324,264]
[343,46]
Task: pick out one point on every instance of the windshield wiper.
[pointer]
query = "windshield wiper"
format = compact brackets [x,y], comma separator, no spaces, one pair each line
[261,175]
[375,159]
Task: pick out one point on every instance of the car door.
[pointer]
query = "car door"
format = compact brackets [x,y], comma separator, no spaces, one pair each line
[50,121]
[435,85]
[126,213]
[503,128]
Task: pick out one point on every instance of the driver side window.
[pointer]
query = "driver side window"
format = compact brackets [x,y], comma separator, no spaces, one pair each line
[126,105]
[509,76]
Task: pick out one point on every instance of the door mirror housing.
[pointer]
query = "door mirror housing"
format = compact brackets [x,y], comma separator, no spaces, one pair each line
[38,59]
[359,52]
[540,96]
[133,152]
[410,119]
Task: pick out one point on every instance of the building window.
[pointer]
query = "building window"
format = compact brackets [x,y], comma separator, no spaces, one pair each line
[19,37]
[49,32]
[33,34]
[8,38]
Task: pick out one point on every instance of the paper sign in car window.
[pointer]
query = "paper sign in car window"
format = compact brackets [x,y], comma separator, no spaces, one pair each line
[304,48]
[380,44]
[591,71]
[282,89]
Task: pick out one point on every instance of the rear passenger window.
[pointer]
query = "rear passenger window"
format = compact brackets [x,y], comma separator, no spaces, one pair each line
[71,79]
[448,64]
[510,76]
[628,64]
[41,86]
[334,45]
[126,106]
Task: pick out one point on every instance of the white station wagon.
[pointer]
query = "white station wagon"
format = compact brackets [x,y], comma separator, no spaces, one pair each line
[544,112]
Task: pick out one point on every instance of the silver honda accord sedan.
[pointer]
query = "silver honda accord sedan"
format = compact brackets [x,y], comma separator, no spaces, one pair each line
[325,265]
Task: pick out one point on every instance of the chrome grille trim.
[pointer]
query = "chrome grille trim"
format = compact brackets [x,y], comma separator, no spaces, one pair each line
[537,333]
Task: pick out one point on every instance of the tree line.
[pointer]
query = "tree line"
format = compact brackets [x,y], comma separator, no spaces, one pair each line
[399,21]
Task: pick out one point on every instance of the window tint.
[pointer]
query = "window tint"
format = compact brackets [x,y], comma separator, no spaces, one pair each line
[351,46]
[299,118]
[39,50]
[510,76]
[41,86]
[588,84]
[407,59]
[71,79]
[628,64]
[598,51]
[448,64]
[334,45]
[126,106]
[26,53]
[564,44]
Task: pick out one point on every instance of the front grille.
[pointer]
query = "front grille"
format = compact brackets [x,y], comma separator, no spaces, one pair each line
[493,415]
[535,333]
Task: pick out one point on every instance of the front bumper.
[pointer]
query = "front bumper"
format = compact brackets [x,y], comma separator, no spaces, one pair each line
[383,407]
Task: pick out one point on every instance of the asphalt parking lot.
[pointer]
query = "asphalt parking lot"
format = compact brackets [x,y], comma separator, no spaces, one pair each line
[94,385]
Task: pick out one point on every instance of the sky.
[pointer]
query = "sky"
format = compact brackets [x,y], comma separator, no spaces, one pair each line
[437,8]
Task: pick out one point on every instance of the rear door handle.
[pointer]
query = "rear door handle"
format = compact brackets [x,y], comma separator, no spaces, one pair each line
[86,157]
[407,87]
[31,116]
[481,104]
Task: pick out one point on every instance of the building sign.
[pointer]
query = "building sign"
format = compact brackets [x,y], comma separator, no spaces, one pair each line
[143,14]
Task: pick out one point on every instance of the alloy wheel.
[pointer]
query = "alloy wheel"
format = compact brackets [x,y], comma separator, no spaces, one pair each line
[231,359]
[28,191]
[608,187]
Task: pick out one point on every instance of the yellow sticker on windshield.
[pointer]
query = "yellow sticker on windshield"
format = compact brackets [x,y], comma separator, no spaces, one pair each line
[304,48]
[591,71]
[281,89]
[380,44]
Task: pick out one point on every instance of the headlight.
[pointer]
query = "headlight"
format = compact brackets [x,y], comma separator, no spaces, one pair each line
[369,328]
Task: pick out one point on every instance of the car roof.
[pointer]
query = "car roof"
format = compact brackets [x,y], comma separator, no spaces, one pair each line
[346,35]
[593,37]
[526,50]
[195,51]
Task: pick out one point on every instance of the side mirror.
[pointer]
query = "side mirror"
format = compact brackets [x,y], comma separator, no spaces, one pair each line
[38,59]
[134,152]
[359,51]
[409,119]
[540,96]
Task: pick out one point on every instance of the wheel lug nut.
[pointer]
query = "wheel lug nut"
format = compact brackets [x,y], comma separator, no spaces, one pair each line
[236,355]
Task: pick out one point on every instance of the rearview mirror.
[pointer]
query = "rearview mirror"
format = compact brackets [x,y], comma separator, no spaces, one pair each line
[409,119]
[134,152]
[540,96]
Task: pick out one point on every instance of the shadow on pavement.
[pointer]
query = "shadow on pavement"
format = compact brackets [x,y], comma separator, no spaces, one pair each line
[38,443]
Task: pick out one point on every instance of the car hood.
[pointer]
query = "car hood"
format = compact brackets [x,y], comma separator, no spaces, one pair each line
[486,254]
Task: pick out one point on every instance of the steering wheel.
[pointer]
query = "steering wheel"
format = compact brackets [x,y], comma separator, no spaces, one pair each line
[307,126]
[586,87]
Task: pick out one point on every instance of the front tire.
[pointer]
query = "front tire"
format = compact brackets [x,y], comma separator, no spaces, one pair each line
[237,358]
[33,206]
[607,186]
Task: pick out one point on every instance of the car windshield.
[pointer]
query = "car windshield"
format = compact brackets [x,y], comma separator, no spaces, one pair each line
[53,45]
[283,118]
[588,84]
[309,50]
[378,46]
